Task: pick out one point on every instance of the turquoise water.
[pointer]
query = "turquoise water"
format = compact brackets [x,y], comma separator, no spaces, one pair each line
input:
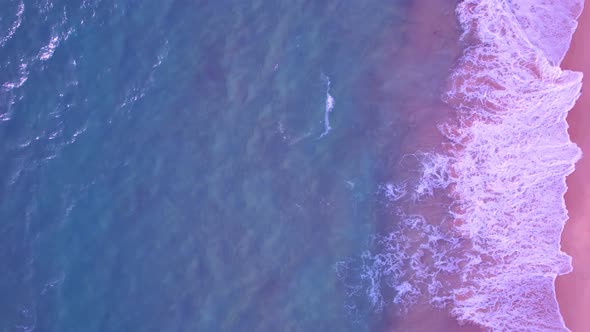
[163,166]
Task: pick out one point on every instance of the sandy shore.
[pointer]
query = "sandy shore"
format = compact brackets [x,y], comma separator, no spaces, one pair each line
[573,290]
[434,36]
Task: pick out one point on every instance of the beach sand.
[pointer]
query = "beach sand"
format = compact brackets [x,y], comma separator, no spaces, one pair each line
[573,290]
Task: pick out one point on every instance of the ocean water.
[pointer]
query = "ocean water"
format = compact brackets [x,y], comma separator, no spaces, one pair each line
[283,165]
[200,166]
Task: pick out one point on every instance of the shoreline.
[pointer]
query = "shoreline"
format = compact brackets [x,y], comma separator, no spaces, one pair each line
[573,289]
[481,128]
[496,149]
[497,142]
[434,27]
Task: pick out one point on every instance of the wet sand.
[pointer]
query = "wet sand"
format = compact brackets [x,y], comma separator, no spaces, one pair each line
[434,43]
[573,290]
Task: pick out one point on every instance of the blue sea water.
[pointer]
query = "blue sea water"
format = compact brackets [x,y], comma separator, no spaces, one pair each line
[166,165]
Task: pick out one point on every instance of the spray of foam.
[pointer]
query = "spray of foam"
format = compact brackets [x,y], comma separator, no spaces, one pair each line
[511,154]
[47,51]
[494,261]
[15,25]
[328,107]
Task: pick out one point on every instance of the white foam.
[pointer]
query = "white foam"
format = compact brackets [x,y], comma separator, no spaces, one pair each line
[494,261]
[512,154]
[548,24]
[23,76]
[394,192]
[47,51]
[15,25]
[413,260]
[328,107]
[434,174]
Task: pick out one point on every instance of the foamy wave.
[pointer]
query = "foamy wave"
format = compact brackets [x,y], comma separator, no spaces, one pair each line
[328,108]
[510,157]
[494,261]
[548,24]
[15,25]
[413,260]
[47,51]
[23,75]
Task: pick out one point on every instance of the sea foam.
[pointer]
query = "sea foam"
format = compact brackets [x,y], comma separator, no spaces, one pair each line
[510,155]
[493,259]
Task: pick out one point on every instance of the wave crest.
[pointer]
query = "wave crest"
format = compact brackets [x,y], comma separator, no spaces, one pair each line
[510,154]
[494,260]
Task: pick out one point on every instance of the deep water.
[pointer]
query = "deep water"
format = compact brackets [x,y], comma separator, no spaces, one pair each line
[161,165]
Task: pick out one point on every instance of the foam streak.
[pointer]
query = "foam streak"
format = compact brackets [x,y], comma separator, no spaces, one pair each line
[328,108]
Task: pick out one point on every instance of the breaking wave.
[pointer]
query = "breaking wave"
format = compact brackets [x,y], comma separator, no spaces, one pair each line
[493,257]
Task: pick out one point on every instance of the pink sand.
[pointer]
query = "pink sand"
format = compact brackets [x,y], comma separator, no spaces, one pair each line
[573,290]
[434,28]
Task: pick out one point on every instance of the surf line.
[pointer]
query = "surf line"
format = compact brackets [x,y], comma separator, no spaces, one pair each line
[328,108]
